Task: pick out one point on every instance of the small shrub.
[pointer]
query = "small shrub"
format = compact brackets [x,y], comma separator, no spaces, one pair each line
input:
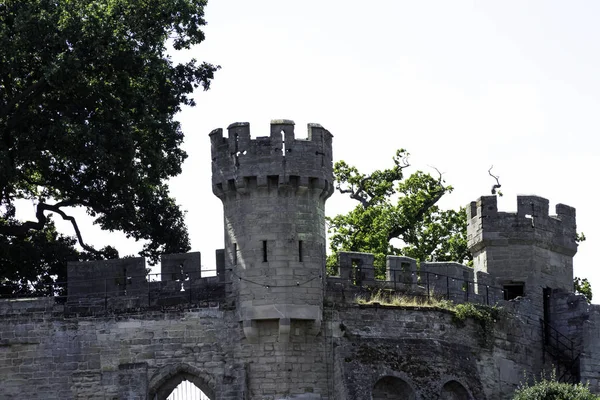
[485,316]
[550,389]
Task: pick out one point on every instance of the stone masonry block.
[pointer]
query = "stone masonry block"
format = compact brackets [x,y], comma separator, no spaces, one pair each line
[356,268]
[179,267]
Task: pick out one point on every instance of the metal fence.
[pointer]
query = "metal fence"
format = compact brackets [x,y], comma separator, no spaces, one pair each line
[426,285]
[129,291]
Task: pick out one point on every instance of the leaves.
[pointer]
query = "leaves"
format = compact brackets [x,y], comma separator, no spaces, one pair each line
[583,287]
[33,264]
[392,208]
[88,96]
[551,389]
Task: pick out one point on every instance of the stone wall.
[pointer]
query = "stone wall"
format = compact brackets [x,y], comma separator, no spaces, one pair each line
[45,355]
[360,351]
[579,322]
[448,280]
[138,354]
[427,349]
[528,247]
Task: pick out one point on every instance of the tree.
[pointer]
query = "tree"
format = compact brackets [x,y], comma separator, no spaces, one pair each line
[392,208]
[550,389]
[583,287]
[88,96]
[28,265]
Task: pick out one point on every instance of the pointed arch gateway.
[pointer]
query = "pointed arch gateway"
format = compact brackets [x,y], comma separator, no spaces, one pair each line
[170,376]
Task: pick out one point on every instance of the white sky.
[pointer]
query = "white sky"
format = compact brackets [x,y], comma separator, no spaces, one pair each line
[461,85]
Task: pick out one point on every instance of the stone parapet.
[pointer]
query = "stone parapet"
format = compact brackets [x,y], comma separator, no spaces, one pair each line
[530,224]
[241,164]
[453,281]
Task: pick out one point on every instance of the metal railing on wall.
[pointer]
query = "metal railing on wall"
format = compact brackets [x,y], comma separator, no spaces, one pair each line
[119,291]
[563,352]
[167,289]
[427,285]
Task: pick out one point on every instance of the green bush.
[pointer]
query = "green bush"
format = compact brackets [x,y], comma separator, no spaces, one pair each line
[553,390]
[485,316]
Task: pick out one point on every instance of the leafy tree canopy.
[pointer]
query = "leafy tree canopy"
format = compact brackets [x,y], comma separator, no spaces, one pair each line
[392,207]
[88,96]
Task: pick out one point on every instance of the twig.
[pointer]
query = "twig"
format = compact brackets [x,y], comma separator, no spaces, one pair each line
[497,185]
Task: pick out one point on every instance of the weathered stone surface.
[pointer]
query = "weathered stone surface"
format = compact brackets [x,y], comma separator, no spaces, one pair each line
[272,326]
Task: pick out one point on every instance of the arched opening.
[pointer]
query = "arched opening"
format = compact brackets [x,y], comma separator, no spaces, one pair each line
[184,386]
[179,382]
[186,390]
[393,388]
[453,390]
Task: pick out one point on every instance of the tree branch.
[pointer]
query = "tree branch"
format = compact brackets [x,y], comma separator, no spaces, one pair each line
[357,194]
[24,228]
[497,185]
[401,230]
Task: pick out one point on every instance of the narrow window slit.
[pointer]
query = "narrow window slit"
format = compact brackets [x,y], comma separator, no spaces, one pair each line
[235,254]
[264,251]
[300,250]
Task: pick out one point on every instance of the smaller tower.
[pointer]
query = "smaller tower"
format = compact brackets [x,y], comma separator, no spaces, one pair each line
[273,191]
[526,251]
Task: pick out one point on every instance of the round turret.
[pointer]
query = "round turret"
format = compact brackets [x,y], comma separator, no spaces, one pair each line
[273,191]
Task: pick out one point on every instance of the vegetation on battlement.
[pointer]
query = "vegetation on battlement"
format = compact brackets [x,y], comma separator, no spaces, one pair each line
[485,316]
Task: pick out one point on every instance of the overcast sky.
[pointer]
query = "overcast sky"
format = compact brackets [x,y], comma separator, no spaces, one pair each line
[461,85]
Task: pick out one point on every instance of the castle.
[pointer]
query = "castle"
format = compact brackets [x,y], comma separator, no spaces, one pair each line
[270,324]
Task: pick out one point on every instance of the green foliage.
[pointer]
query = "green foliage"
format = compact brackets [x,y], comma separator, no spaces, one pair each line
[392,207]
[36,264]
[29,263]
[390,298]
[550,389]
[486,317]
[583,287]
[88,97]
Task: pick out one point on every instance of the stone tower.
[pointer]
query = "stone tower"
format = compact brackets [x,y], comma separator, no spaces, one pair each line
[273,191]
[526,251]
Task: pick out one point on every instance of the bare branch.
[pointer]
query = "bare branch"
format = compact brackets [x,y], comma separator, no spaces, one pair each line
[404,162]
[440,180]
[497,185]
[77,232]
[24,228]
[357,194]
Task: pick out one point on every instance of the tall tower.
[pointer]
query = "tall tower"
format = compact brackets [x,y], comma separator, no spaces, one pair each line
[273,191]
[526,251]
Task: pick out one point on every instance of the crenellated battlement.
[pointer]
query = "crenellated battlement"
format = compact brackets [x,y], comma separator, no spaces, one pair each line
[125,283]
[524,250]
[531,223]
[449,280]
[241,164]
